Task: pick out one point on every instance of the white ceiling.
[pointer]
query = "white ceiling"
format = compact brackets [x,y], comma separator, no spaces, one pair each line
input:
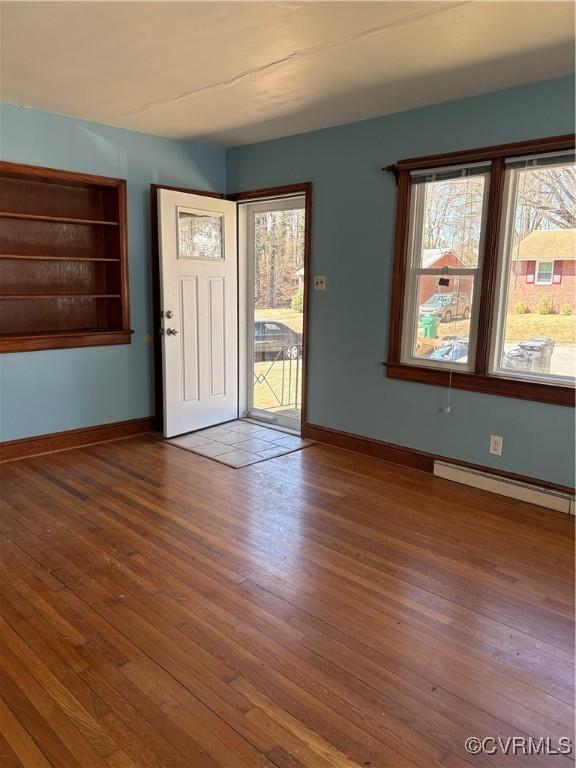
[232,73]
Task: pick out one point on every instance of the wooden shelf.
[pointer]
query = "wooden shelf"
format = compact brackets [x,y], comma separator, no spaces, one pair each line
[50,333]
[56,219]
[30,342]
[61,285]
[23,257]
[60,296]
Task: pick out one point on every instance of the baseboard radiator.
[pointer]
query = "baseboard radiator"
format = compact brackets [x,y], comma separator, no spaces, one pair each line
[543,497]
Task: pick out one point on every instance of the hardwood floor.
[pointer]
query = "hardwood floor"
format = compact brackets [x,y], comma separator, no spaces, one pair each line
[321,609]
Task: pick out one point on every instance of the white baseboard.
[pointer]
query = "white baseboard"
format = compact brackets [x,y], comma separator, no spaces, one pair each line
[560,502]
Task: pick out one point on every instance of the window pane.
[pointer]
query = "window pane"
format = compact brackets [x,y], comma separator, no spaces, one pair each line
[538,321]
[451,223]
[442,325]
[199,236]
[545,271]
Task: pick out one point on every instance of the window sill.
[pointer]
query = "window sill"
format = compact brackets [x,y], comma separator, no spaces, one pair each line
[23,342]
[489,385]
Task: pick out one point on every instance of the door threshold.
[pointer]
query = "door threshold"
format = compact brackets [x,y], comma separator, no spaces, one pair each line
[271,425]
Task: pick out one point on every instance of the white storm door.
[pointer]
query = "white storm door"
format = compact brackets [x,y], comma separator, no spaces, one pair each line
[198,285]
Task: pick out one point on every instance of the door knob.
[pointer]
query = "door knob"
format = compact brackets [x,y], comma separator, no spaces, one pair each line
[169,314]
[171,331]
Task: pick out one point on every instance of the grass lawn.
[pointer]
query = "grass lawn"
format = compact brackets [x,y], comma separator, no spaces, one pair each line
[266,399]
[287,316]
[561,328]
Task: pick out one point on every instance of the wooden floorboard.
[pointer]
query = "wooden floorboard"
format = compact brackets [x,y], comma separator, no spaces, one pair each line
[321,609]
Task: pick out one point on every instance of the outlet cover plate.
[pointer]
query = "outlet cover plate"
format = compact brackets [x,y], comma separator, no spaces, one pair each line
[319,282]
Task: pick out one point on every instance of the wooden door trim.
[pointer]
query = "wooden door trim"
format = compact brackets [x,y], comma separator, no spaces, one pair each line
[304,188]
[271,193]
[156,300]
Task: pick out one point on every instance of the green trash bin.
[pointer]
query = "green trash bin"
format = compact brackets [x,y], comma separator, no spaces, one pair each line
[430,327]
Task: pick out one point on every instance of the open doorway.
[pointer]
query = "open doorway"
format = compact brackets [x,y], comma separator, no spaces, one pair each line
[268,312]
[274,255]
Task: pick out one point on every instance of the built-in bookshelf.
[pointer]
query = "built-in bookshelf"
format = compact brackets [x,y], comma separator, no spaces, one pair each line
[63,259]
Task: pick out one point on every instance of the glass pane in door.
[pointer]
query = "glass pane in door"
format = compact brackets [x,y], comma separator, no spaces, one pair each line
[199,235]
[278,314]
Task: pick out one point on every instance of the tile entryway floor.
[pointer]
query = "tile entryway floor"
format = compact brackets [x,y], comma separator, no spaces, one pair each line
[239,443]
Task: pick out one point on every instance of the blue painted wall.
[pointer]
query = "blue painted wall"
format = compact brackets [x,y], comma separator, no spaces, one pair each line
[51,391]
[347,386]
[42,392]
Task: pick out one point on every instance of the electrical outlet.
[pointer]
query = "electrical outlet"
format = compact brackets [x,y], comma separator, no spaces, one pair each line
[496,443]
[319,282]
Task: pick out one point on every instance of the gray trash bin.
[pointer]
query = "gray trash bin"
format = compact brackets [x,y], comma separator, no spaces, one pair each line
[540,351]
[531,355]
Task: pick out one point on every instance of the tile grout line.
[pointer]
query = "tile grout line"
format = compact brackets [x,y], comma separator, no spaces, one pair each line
[245,432]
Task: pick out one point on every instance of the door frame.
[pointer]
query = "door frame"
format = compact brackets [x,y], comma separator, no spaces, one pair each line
[246,275]
[156,296]
[254,195]
[303,189]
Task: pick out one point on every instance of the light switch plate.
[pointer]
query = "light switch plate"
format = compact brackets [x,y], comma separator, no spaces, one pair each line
[319,282]
[496,443]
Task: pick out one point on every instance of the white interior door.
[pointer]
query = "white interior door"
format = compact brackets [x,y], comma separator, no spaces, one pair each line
[198,284]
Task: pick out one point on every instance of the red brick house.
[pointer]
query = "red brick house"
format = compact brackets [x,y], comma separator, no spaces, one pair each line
[545,265]
[436,258]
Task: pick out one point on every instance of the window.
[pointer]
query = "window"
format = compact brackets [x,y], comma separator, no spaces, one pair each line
[484,281]
[535,324]
[199,235]
[445,247]
[544,271]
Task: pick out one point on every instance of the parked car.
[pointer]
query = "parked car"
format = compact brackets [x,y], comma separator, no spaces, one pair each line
[453,349]
[446,306]
[276,340]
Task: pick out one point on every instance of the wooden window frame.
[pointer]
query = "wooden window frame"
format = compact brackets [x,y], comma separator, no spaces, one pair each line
[480,379]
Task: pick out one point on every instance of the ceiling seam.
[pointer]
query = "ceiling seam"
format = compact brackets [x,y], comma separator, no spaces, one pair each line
[303,53]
